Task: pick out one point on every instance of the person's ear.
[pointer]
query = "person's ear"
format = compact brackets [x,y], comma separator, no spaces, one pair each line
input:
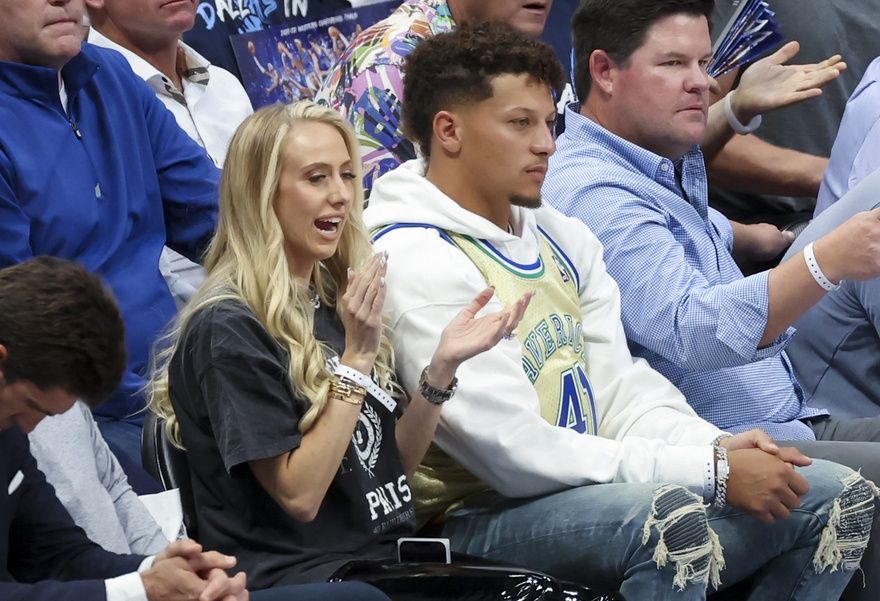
[602,70]
[95,4]
[447,132]
[4,353]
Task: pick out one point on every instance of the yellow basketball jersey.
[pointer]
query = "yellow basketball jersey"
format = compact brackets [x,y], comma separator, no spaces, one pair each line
[551,336]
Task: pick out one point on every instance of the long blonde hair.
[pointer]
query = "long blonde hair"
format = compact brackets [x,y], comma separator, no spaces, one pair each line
[246,261]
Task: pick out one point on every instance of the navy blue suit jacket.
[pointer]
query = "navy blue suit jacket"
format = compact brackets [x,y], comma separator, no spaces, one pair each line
[41,550]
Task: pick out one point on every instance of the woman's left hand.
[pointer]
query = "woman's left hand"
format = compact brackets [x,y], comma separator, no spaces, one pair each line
[468,335]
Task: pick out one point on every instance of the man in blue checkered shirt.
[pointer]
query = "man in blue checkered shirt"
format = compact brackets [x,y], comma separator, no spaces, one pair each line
[629,165]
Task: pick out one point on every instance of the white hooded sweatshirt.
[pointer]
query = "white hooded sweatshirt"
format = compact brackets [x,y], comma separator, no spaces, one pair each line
[492,426]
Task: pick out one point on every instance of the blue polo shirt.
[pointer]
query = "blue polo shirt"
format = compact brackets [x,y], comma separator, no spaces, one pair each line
[106,183]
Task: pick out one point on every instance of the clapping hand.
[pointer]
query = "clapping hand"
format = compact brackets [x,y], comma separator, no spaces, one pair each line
[852,250]
[360,310]
[468,335]
[771,84]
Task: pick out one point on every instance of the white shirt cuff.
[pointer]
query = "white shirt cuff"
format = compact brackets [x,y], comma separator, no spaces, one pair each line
[128,587]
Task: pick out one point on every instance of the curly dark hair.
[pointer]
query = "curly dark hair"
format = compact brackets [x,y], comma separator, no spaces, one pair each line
[61,327]
[619,28]
[458,66]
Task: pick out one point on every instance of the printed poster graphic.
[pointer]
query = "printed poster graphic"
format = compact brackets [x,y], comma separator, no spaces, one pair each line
[216,20]
[290,61]
[751,33]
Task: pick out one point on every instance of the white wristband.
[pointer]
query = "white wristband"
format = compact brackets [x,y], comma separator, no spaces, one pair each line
[709,478]
[366,381]
[738,127]
[352,374]
[816,271]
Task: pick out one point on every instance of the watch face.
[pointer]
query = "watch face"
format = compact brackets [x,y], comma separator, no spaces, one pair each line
[434,395]
[723,469]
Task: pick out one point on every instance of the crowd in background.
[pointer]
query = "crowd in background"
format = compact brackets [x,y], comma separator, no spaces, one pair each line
[412,306]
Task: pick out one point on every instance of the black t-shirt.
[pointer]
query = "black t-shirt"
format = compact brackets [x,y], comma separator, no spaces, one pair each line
[233,399]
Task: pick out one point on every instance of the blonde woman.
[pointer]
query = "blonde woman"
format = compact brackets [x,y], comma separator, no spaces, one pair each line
[278,379]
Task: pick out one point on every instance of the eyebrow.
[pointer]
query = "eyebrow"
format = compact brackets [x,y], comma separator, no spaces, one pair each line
[319,165]
[550,115]
[679,55]
[33,405]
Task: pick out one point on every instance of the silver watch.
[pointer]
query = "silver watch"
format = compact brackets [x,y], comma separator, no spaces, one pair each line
[436,396]
[722,471]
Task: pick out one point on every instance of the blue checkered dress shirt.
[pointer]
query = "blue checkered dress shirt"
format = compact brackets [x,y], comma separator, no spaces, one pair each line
[685,305]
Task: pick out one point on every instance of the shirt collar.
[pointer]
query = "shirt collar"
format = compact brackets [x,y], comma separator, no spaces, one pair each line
[41,83]
[642,160]
[651,164]
[195,66]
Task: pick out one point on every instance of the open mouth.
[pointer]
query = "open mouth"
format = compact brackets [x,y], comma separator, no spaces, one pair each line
[535,7]
[329,226]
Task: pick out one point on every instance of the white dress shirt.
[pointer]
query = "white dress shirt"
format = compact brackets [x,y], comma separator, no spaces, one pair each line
[213,102]
[210,108]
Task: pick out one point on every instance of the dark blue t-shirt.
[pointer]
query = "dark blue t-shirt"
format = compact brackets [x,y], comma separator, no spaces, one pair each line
[232,395]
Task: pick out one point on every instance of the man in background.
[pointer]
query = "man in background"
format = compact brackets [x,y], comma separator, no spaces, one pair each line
[366,85]
[94,168]
[208,103]
[61,338]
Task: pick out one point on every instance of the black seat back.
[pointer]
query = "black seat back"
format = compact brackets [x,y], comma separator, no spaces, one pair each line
[169,465]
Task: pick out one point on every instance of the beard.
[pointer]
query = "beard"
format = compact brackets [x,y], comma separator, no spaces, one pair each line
[528,202]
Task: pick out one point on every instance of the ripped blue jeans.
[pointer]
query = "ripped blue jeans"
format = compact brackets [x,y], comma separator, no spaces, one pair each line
[658,542]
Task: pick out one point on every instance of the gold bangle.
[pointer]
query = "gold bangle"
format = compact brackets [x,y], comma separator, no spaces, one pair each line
[347,387]
[346,381]
[351,401]
[347,391]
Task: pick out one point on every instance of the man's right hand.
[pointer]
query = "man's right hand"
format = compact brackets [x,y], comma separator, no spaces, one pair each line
[769,83]
[764,485]
[852,250]
[182,572]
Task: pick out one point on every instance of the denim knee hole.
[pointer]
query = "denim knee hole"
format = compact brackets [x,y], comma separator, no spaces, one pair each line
[846,534]
[684,537]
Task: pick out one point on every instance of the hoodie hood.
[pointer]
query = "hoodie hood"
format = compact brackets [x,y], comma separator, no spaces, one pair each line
[404,195]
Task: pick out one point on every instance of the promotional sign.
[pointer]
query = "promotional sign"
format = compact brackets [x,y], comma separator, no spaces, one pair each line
[289,62]
[219,23]
[217,20]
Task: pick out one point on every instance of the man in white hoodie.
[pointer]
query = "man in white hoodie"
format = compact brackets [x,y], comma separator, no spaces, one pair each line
[559,451]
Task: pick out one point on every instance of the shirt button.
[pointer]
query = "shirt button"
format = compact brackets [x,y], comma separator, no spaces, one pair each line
[664,167]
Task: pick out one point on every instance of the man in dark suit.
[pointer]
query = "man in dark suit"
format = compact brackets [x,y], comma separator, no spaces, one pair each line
[62,338]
